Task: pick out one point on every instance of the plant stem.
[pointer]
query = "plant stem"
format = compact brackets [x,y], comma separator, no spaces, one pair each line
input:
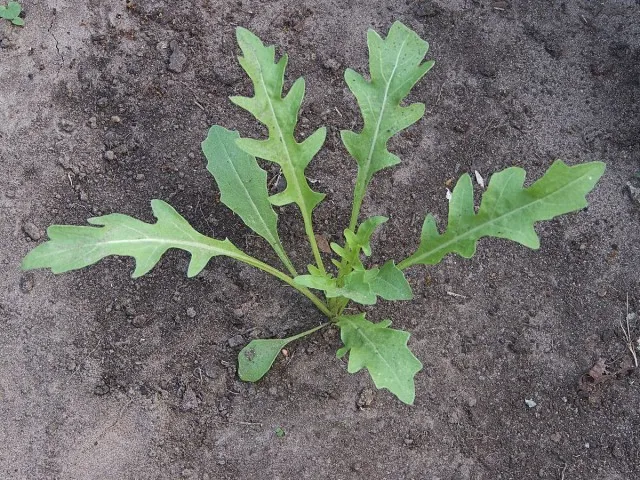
[358,196]
[254,262]
[404,264]
[308,227]
[308,332]
[284,258]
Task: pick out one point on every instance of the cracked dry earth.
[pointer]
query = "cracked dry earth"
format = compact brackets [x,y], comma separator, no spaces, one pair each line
[103,105]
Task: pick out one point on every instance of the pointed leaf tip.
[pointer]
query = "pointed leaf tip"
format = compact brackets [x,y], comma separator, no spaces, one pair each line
[242,183]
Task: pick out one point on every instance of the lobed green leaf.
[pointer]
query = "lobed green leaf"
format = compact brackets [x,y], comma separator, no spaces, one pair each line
[280,116]
[507,210]
[382,351]
[73,247]
[360,285]
[395,66]
[11,12]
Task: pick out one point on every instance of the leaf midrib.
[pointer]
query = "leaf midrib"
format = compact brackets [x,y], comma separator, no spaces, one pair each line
[302,203]
[376,132]
[272,240]
[180,244]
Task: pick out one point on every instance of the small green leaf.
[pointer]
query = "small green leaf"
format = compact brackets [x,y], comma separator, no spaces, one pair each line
[73,247]
[255,360]
[391,284]
[360,285]
[362,239]
[280,432]
[355,243]
[11,11]
[18,21]
[507,210]
[357,285]
[382,351]
[319,281]
[243,186]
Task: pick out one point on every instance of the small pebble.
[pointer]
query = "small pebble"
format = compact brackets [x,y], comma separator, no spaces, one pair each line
[116,119]
[139,177]
[365,399]
[101,389]
[189,400]
[235,341]
[191,312]
[109,155]
[178,59]
[32,231]
[67,126]
[331,64]
[26,283]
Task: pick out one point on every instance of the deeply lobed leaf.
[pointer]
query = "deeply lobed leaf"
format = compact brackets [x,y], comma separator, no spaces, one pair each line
[360,285]
[73,247]
[507,210]
[280,116]
[354,281]
[395,67]
[382,351]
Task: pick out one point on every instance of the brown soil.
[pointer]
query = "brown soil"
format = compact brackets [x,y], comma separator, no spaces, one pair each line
[105,377]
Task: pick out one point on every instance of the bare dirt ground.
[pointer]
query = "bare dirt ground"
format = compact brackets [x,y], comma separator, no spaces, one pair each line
[105,377]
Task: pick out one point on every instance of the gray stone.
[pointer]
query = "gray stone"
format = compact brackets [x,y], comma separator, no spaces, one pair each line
[67,126]
[634,192]
[235,341]
[141,321]
[177,59]
[189,400]
[33,232]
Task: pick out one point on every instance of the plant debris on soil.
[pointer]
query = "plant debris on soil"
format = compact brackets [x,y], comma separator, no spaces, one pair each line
[104,105]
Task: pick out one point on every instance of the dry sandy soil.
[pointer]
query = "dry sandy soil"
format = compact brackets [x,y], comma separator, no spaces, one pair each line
[105,377]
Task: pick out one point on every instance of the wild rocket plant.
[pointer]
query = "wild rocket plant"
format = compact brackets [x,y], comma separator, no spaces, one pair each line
[507,210]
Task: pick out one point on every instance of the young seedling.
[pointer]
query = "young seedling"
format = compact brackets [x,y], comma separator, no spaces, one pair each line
[507,210]
[11,12]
